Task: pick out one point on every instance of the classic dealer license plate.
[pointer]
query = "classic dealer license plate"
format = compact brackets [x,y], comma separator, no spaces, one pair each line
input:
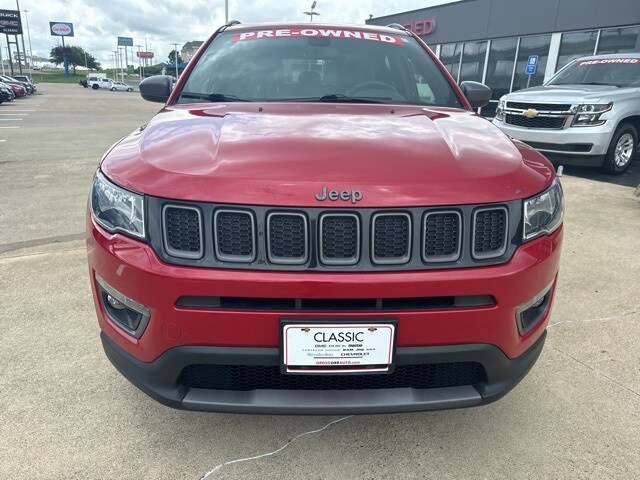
[338,348]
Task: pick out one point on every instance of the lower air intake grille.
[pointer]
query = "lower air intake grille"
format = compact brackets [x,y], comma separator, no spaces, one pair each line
[489,232]
[234,236]
[183,231]
[339,239]
[259,377]
[391,238]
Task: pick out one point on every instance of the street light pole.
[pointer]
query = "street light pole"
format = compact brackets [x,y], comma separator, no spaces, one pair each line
[139,63]
[26,16]
[312,13]
[175,57]
[226,11]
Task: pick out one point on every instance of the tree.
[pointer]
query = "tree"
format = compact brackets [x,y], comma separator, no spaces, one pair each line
[172,57]
[75,57]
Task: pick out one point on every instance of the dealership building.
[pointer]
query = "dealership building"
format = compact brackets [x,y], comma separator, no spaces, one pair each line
[492,41]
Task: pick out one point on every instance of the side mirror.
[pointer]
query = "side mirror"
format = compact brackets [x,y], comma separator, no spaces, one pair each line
[477,93]
[156,88]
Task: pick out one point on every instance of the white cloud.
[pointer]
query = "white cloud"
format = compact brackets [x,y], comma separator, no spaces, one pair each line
[98,23]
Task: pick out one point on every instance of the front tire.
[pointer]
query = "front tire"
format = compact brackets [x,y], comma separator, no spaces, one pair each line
[129,89]
[113,89]
[95,86]
[621,150]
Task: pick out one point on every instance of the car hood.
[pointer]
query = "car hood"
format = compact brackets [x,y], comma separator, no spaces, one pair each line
[284,153]
[563,94]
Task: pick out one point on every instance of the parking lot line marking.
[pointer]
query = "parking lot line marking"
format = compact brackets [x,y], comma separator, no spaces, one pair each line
[14,113]
[10,119]
[11,127]
[270,454]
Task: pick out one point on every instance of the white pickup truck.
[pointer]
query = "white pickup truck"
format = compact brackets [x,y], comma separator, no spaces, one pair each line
[587,114]
[97,82]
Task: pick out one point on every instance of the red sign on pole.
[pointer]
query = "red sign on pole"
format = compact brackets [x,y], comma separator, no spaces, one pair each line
[144,54]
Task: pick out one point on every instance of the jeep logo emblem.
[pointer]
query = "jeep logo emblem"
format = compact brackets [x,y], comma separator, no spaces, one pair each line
[333,195]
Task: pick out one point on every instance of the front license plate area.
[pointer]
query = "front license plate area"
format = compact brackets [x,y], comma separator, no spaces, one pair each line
[337,347]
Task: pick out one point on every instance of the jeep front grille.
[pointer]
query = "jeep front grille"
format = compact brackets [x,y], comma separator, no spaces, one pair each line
[182,231]
[489,232]
[339,239]
[234,235]
[203,234]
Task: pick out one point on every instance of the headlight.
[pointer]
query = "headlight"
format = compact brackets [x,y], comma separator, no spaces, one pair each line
[117,209]
[500,110]
[588,115]
[543,213]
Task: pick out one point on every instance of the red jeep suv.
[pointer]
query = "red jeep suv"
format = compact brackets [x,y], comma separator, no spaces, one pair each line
[318,222]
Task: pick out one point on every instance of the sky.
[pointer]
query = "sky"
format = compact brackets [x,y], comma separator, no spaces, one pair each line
[98,23]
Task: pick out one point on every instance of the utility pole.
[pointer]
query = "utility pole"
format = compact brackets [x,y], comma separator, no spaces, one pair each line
[24,50]
[1,61]
[226,11]
[139,63]
[312,13]
[26,12]
[115,63]
[175,57]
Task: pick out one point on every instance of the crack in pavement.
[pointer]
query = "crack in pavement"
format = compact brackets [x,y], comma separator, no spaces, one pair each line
[597,319]
[38,242]
[269,454]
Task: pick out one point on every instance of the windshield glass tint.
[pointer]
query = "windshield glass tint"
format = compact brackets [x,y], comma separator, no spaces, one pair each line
[307,64]
[622,72]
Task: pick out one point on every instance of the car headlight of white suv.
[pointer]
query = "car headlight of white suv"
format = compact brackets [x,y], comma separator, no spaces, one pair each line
[588,115]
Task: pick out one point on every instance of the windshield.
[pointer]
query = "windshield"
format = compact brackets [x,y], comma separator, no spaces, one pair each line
[317,65]
[619,72]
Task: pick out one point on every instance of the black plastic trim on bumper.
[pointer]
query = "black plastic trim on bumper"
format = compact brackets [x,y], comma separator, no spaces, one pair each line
[159,379]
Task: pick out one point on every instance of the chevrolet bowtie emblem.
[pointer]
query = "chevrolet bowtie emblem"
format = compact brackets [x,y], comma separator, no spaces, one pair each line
[530,113]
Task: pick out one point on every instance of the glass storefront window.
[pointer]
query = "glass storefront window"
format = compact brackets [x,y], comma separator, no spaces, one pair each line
[618,40]
[534,45]
[574,45]
[473,55]
[450,57]
[502,54]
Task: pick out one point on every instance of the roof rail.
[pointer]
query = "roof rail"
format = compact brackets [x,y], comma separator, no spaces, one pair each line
[397,26]
[230,23]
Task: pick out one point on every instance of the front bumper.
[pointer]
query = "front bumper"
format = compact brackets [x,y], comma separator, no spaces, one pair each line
[597,138]
[160,379]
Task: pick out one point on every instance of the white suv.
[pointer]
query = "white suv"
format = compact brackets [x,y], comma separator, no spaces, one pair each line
[587,114]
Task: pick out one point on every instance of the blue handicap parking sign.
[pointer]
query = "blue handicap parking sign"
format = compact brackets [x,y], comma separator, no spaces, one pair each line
[532,65]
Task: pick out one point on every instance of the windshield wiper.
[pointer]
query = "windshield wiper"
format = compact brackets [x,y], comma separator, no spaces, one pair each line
[213,97]
[339,97]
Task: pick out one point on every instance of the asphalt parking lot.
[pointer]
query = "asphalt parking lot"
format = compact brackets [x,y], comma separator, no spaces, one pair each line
[66,413]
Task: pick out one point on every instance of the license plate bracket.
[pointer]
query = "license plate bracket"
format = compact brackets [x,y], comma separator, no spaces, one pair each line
[337,346]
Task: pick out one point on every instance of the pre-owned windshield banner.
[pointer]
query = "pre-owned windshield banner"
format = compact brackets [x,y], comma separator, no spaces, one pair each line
[315,32]
[607,61]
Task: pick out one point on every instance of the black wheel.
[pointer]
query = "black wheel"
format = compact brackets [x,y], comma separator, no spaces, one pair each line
[129,89]
[113,89]
[621,150]
[95,86]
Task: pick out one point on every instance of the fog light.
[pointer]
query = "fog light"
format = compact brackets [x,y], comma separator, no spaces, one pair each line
[126,313]
[115,303]
[529,314]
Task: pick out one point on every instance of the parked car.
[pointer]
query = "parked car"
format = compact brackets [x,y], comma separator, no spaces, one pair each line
[28,81]
[121,86]
[18,90]
[298,230]
[587,114]
[13,81]
[6,93]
